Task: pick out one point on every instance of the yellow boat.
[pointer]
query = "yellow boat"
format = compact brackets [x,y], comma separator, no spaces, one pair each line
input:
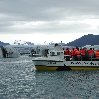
[55,60]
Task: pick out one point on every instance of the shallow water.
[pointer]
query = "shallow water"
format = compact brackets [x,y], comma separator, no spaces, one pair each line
[20,80]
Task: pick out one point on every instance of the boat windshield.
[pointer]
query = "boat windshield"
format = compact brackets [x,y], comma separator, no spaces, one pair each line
[55,53]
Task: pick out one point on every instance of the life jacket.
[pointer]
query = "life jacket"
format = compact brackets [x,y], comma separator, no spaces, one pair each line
[73,52]
[78,53]
[97,54]
[90,52]
[67,52]
[83,52]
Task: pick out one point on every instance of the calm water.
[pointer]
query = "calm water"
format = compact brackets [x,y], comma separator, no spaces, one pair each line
[19,80]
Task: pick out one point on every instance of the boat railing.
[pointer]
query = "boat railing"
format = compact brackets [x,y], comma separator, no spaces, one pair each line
[80,58]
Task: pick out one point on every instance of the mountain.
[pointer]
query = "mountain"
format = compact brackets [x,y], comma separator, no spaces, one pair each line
[2,43]
[89,39]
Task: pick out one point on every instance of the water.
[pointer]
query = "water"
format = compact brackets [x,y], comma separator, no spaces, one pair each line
[19,80]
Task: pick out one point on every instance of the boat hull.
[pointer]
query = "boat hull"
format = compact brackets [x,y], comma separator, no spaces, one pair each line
[45,68]
[65,68]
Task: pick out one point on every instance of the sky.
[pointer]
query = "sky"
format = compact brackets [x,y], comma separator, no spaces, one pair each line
[46,21]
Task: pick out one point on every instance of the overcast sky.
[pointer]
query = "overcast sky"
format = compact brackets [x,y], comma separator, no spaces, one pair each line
[48,20]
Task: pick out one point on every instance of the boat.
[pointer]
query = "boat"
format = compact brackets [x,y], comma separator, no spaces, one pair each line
[55,60]
[8,52]
[39,50]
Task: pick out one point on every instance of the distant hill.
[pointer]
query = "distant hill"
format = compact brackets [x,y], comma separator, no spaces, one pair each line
[89,39]
[2,43]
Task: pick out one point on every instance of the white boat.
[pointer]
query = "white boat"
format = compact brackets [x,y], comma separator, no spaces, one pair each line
[8,52]
[40,50]
[55,60]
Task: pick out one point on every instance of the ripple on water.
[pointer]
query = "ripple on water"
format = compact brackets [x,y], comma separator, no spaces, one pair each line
[18,80]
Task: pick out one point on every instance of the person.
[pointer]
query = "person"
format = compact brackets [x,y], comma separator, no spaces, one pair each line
[67,52]
[91,53]
[78,54]
[84,54]
[97,54]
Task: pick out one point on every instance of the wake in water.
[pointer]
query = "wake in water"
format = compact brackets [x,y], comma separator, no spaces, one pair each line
[20,61]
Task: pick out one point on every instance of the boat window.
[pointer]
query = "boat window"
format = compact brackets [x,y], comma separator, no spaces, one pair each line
[52,53]
[58,53]
[54,62]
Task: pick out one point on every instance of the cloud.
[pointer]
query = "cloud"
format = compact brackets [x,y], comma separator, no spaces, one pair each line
[48,9]
[49,27]
[49,16]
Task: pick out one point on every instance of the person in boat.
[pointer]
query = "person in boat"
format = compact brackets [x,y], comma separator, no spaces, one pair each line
[67,51]
[67,54]
[91,53]
[97,54]
[78,54]
[45,52]
[73,54]
[84,54]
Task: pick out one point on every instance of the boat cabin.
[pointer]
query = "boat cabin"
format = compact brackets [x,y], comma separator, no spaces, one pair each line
[56,53]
